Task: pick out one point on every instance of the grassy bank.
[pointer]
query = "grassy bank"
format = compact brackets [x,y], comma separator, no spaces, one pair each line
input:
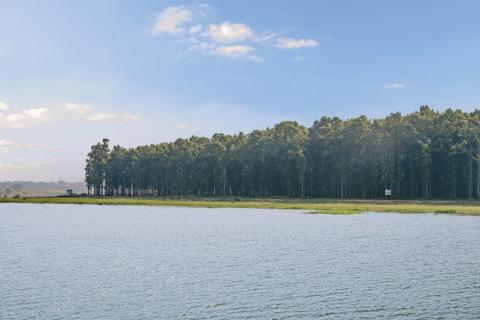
[310,206]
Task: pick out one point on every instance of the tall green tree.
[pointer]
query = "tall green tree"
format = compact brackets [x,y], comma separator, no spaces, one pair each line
[422,155]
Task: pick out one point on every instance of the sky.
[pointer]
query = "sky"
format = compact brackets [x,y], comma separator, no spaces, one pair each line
[142,72]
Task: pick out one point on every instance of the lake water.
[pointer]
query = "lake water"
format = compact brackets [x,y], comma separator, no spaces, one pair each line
[101,262]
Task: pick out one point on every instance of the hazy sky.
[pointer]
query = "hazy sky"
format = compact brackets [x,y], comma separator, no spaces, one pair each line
[140,72]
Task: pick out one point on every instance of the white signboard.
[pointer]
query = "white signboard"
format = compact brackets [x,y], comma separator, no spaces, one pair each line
[388,192]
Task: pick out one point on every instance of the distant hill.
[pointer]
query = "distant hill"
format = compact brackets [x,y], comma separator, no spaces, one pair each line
[33,188]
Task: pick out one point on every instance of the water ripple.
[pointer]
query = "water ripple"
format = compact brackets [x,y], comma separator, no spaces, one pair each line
[100,262]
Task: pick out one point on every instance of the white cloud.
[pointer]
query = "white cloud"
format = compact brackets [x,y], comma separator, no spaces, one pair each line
[183,126]
[171,19]
[25,118]
[237,52]
[227,32]
[9,146]
[195,29]
[103,116]
[38,114]
[298,59]
[224,39]
[78,108]
[233,51]
[395,85]
[288,43]
[88,113]
[3,106]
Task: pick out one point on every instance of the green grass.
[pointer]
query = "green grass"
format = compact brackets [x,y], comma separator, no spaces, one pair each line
[310,206]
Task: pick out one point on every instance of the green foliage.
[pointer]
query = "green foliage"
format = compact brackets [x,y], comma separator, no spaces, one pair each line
[96,168]
[422,155]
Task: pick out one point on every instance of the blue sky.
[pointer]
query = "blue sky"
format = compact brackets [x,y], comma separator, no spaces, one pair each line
[139,72]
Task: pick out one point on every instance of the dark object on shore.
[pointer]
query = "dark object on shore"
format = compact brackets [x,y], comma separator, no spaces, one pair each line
[236,200]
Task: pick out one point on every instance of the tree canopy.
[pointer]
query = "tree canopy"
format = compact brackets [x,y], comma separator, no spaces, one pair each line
[423,155]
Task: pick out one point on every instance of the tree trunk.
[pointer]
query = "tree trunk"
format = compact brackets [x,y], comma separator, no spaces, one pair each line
[478,177]
[454,182]
[426,183]
[224,185]
[470,179]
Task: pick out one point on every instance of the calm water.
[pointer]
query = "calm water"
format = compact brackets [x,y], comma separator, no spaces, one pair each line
[100,262]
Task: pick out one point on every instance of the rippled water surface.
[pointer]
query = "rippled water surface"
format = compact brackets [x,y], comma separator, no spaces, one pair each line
[100,262]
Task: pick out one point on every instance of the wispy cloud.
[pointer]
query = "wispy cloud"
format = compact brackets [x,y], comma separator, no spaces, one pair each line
[25,118]
[255,58]
[39,116]
[288,43]
[233,51]
[102,116]
[265,37]
[395,85]
[9,146]
[171,20]
[88,113]
[78,108]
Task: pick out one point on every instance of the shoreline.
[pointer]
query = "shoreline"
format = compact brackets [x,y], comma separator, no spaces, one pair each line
[317,206]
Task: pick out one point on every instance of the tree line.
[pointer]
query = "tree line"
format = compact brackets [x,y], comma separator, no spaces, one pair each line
[422,155]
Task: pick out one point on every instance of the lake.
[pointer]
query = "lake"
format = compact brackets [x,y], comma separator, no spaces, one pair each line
[114,262]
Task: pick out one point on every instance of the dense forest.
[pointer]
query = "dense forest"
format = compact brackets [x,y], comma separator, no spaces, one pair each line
[422,155]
